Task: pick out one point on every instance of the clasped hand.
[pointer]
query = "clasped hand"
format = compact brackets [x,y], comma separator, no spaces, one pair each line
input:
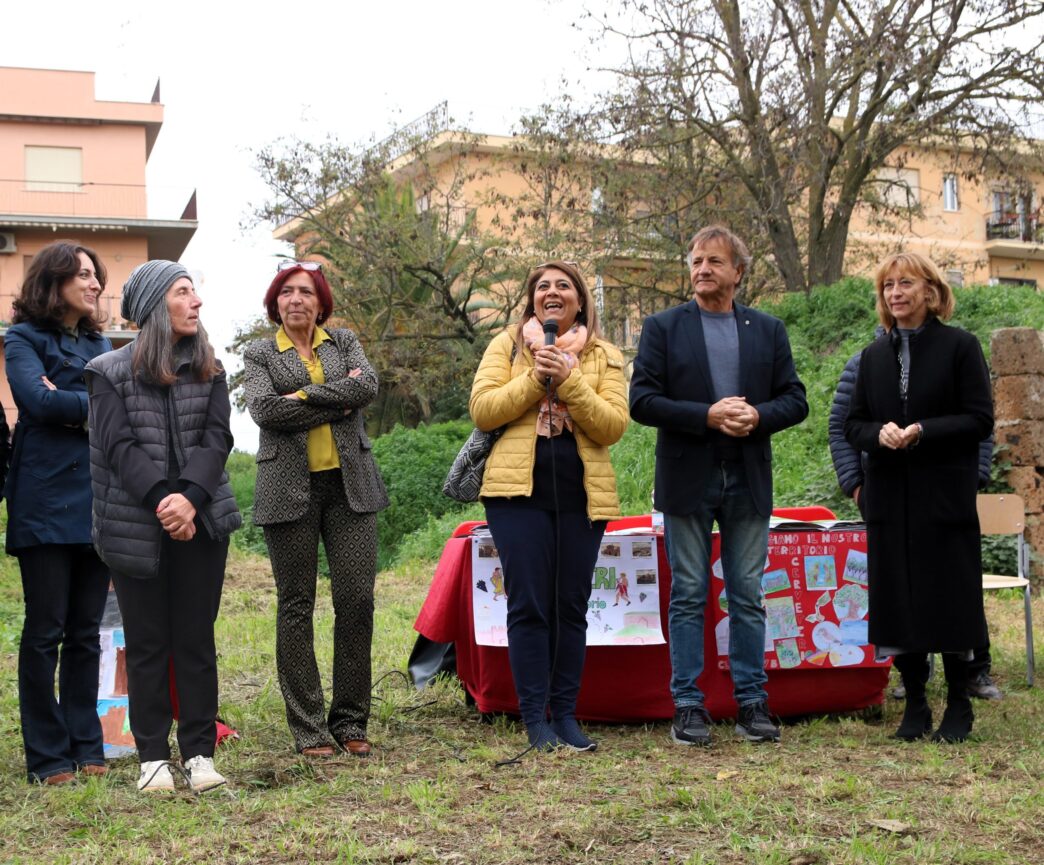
[895,437]
[177,516]
[549,360]
[733,416]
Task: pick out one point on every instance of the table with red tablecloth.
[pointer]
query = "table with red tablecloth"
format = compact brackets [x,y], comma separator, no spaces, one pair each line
[814,663]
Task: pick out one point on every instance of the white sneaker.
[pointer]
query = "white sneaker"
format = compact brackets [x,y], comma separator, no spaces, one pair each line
[156,777]
[202,775]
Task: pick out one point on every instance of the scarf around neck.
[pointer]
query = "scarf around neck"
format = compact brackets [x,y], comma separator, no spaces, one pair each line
[553,415]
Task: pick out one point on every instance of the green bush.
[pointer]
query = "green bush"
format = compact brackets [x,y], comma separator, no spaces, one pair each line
[826,327]
[634,461]
[414,463]
[242,475]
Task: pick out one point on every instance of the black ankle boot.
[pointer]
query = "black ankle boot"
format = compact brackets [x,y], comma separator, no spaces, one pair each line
[917,720]
[957,720]
[956,724]
[917,717]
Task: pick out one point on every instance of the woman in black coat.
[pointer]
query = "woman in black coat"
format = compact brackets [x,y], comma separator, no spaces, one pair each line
[57,331]
[921,406]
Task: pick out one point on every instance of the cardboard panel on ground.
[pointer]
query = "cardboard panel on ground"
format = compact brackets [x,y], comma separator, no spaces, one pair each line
[816,663]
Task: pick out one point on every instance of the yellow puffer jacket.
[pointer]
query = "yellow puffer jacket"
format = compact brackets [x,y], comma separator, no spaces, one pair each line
[505,392]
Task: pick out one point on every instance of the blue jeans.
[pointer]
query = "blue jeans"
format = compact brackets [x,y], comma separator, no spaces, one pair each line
[65,586]
[744,545]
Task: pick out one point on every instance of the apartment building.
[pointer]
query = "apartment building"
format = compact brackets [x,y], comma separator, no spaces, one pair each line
[73,167]
[981,229]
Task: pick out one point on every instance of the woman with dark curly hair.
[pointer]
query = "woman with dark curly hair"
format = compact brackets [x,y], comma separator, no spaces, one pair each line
[56,331]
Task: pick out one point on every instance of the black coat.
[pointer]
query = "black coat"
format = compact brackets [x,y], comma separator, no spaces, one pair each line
[925,560]
[671,389]
[848,462]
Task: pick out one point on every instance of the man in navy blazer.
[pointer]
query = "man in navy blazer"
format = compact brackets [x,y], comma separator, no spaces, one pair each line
[717,379]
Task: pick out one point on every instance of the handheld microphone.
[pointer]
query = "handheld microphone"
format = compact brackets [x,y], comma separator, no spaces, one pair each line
[550,332]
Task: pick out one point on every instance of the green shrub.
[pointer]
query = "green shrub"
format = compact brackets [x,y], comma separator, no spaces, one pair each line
[634,461]
[826,327]
[414,463]
[242,476]
[425,544]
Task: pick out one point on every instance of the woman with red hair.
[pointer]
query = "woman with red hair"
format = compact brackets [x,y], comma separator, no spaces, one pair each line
[316,479]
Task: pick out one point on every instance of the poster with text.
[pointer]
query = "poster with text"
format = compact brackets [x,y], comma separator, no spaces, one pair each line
[624,609]
[814,590]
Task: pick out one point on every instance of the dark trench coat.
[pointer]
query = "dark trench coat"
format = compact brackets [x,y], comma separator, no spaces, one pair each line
[925,556]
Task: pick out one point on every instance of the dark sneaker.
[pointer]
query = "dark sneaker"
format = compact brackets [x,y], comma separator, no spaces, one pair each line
[691,726]
[755,725]
[984,688]
[542,737]
[570,733]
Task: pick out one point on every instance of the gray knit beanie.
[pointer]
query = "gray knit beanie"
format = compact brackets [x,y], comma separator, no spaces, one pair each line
[146,287]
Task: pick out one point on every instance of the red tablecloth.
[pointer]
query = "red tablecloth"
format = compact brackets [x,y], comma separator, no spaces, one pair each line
[627,683]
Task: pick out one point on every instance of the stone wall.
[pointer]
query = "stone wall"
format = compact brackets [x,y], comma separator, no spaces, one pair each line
[1017,359]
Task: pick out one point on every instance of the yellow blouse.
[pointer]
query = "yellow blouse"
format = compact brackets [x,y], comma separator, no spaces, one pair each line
[322,452]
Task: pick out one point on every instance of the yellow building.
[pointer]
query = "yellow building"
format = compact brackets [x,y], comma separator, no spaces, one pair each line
[979,229]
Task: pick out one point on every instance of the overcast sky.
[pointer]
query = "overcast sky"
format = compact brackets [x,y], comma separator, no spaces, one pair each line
[235,76]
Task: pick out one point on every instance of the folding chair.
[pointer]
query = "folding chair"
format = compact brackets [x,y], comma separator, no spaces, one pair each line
[1005,514]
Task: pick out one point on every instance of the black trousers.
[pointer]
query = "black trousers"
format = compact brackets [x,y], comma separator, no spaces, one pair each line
[547,595]
[350,541]
[171,618]
[64,586]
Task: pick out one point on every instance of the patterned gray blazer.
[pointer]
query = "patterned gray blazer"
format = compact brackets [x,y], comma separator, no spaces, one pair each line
[282,490]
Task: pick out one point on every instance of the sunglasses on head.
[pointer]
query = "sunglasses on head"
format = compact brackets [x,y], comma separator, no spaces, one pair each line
[304,265]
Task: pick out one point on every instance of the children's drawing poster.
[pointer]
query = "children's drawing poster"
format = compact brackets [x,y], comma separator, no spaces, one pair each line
[814,590]
[112,683]
[624,609]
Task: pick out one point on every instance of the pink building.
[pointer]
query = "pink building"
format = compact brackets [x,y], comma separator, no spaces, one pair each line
[72,167]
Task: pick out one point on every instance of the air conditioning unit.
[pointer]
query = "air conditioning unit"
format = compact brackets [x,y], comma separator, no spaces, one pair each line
[7,242]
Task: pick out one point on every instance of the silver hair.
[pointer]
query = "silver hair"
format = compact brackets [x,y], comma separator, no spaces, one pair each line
[741,257]
[154,350]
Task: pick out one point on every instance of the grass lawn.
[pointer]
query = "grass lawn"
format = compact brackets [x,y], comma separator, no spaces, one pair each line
[838,790]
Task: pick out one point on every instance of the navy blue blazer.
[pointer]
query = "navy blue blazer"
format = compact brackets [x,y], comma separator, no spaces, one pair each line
[671,390]
[48,487]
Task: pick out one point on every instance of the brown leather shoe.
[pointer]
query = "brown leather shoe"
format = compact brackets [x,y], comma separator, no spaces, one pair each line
[59,778]
[94,769]
[357,747]
[318,752]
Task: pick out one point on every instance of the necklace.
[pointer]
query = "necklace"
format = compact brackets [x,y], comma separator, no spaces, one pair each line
[904,376]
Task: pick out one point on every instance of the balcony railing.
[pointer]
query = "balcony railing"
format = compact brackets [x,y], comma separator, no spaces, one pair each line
[108,303]
[452,218]
[1003,225]
[114,200]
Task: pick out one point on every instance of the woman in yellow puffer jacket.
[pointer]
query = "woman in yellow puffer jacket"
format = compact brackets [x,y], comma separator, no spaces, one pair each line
[549,488]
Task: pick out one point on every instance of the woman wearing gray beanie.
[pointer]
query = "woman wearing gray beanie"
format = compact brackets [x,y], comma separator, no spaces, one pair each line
[163,513]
